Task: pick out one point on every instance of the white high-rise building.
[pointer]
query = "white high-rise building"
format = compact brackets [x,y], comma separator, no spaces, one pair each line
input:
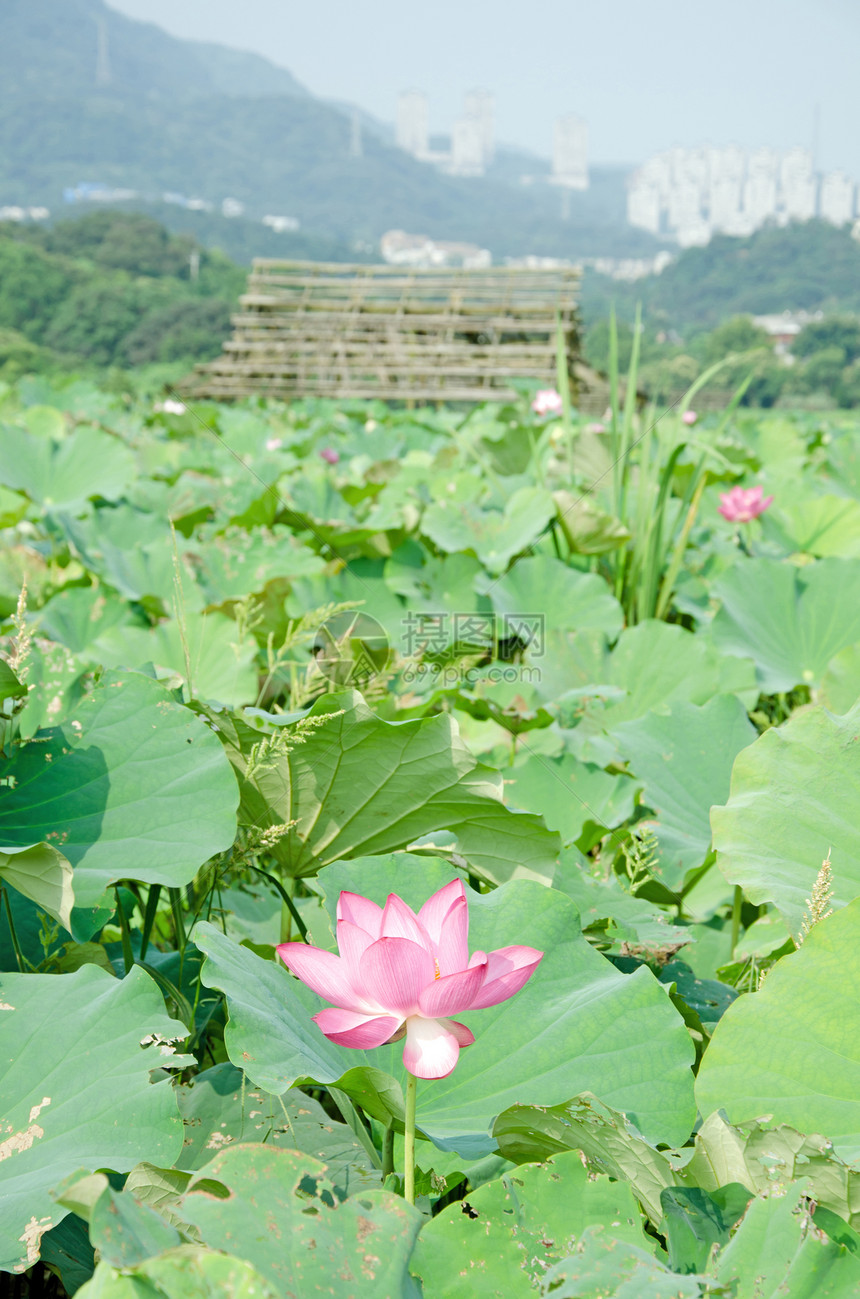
[644,206]
[412,130]
[760,194]
[693,193]
[685,204]
[725,163]
[837,198]
[480,106]
[724,202]
[798,186]
[467,147]
[570,152]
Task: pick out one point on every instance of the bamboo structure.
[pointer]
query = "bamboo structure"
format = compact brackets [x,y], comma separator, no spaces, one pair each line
[317,329]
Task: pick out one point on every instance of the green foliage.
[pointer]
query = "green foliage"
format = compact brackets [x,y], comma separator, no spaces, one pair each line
[110,288]
[789,1051]
[78,1090]
[789,807]
[501,1242]
[32,287]
[133,785]
[562,717]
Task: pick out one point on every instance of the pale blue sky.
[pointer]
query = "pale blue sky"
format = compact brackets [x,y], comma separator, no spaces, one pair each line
[645,75]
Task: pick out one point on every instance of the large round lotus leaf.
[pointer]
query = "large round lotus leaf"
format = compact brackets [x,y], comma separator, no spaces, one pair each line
[578,1025]
[76,1091]
[220,1109]
[133,552]
[790,620]
[570,794]
[794,797]
[220,667]
[774,1254]
[792,1051]
[281,1218]
[495,537]
[133,786]
[188,1272]
[684,756]
[61,473]
[818,525]
[840,685]
[653,665]
[517,1227]
[604,1267]
[360,784]
[565,599]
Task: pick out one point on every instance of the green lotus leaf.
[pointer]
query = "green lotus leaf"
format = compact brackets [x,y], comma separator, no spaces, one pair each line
[77,1092]
[567,599]
[570,794]
[187,1272]
[823,526]
[793,799]
[684,755]
[840,686]
[134,786]
[219,1109]
[791,1052]
[791,621]
[62,471]
[281,1217]
[774,1254]
[494,536]
[360,785]
[607,1268]
[510,1231]
[43,875]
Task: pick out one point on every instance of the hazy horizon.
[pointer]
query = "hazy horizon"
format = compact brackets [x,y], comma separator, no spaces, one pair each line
[644,79]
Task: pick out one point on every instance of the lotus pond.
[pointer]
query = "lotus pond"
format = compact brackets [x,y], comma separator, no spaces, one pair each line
[429,850]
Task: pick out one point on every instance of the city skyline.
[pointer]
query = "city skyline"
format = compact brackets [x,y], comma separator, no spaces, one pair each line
[645,79]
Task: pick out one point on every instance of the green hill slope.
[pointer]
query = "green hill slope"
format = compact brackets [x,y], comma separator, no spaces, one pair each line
[806,266]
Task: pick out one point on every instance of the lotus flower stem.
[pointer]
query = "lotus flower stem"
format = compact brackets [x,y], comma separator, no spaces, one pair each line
[737,902]
[16,946]
[388,1151]
[409,1139]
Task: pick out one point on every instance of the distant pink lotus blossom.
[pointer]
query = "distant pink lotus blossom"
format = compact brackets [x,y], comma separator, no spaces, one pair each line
[330,456]
[742,504]
[595,428]
[273,444]
[547,402]
[689,417]
[402,975]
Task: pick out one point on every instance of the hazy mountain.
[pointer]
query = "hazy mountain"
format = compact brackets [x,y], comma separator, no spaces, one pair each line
[87,94]
[57,48]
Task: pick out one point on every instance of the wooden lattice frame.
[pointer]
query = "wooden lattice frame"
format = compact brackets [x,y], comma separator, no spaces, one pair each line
[319,329]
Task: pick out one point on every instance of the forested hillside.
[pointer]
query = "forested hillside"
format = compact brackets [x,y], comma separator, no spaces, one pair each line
[110,289]
[807,266]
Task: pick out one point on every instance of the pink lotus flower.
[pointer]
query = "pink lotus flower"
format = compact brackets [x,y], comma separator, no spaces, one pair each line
[402,975]
[595,428]
[273,444]
[689,417]
[742,504]
[547,402]
[330,456]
